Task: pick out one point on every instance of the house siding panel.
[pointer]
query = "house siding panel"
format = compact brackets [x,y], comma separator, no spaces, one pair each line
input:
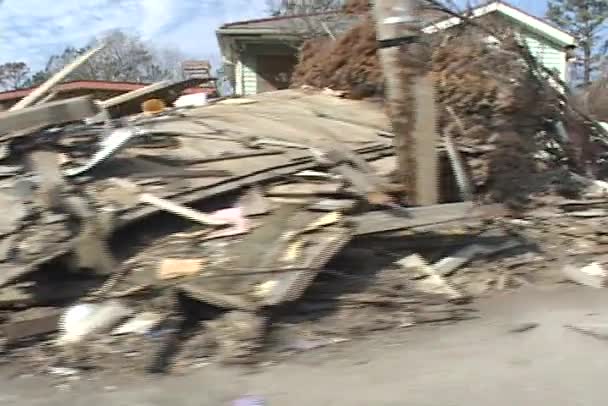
[238,78]
[245,76]
[547,54]
[250,78]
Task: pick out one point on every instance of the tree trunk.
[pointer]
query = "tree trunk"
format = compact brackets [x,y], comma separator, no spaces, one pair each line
[587,64]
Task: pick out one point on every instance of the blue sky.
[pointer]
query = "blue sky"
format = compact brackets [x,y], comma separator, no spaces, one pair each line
[32,30]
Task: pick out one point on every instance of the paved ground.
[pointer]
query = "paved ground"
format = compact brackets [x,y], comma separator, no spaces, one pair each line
[477,362]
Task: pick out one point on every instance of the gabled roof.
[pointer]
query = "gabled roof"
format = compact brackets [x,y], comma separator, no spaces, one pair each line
[292,24]
[434,20]
[531,22]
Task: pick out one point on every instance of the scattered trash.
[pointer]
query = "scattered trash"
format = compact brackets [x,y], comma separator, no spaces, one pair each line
[234,216]
[191,100]
[63,371]
[82,320]
[592,275]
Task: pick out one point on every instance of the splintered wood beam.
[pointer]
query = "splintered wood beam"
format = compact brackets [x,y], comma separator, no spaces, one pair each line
[58,112]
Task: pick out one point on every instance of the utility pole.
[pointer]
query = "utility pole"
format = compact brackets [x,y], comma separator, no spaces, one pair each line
[410,95]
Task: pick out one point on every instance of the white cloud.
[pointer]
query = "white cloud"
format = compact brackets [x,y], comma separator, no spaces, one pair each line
[32,30]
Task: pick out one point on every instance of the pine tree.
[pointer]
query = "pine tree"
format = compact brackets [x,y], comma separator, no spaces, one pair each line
[585,19]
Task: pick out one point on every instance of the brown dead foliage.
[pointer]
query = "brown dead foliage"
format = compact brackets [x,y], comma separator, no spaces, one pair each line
[490,88]
[357,6]
[344,64]
[594,99]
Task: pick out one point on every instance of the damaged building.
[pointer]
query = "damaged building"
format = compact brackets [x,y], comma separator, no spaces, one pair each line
[261,55]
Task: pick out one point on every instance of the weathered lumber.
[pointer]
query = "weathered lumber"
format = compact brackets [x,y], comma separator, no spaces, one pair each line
[58,112]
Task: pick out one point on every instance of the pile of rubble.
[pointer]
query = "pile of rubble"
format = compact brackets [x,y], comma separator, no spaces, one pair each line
[248,228]
[94,276]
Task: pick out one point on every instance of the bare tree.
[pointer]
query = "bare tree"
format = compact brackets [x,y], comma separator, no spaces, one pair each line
[125,58]
[292,7]
[587,22]
[169,61]
[13,75]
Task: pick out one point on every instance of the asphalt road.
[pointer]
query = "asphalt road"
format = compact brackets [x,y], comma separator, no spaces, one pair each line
[477,362]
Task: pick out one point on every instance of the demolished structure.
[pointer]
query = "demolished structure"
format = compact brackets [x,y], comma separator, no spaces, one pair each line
[256,226]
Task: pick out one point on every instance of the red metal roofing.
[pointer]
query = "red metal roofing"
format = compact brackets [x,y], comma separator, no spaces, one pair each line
[77,84]
[95,85]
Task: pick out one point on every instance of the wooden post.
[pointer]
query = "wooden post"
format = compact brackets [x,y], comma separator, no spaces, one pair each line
[410,96]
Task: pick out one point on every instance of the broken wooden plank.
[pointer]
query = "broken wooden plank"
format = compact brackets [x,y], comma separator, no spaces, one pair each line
[130,103]
[11,272]
[49,97]
[458,168]
[239,181]
[578,205]
[15,296]
[304,189]
[128,193]
[448,265]
[58,112]
[254,203]
[135,94]
[172,268]
[589,213]
[41,90]
[382,221]
[244,180]
[360,174]
[31,323]
[340,205]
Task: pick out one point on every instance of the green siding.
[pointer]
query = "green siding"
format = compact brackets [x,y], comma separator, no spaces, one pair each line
[250,78]
[547,54]
[550,55]
[246,82]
